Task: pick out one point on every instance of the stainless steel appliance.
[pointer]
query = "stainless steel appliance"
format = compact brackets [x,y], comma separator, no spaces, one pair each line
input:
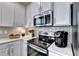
[75,28]
[61,38]
[39,46]
[44,19]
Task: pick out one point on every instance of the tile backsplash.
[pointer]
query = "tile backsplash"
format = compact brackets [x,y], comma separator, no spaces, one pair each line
[54,29]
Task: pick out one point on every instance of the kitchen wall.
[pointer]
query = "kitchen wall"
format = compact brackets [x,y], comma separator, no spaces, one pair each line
[6,31]
[54,29]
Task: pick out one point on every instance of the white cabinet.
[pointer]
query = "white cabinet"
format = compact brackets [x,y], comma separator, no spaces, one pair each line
[0,12]
[62,13]
[12,14]
[15,48]
[36,8]
[24,49]
[19,15]
[7,14]
[14,51]
[47,6]
[31,10]
[28,16]
[11,49]
[5,52]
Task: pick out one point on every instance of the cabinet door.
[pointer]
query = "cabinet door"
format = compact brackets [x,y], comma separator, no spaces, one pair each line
[19,15]
[15,49]
[0,12]
[5,52]
[7,13]
[35,8]
[24,49]
[31,10]
[1,53]
[47,6]
[28,15]
[62,13]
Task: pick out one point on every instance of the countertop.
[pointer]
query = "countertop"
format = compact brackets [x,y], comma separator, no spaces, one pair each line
[6,40]
[67,51]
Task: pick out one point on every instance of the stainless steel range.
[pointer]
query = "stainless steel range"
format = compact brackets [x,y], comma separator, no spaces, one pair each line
[39,46]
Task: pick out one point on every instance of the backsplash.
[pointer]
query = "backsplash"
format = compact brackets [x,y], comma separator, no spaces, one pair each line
[5,31]
[54,29]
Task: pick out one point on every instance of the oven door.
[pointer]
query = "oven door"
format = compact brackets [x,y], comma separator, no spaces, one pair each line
[34,50]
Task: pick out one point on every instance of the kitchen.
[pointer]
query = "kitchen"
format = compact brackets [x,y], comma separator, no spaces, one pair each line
[38,29]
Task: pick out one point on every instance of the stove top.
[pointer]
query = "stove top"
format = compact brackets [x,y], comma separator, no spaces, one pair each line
[40,43]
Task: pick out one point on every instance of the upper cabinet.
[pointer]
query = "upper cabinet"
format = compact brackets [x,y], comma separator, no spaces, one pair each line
[0,13]
[47,6]
[19,15]
[31,10]
[36,8]
[62,14]
[7,14]
[12,14]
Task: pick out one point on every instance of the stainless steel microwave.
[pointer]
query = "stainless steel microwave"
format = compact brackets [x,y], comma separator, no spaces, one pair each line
[44,19]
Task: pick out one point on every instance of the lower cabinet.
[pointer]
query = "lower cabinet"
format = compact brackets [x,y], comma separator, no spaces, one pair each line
[15,51]
[24,49]
[10,49]
[5,52]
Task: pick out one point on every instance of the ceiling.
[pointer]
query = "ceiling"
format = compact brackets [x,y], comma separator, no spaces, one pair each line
[25,3]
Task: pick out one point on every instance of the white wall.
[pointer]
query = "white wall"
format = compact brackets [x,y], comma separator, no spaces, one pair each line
[6,31]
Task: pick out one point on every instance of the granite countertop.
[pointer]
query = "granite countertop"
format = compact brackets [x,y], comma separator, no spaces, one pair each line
[67,51]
